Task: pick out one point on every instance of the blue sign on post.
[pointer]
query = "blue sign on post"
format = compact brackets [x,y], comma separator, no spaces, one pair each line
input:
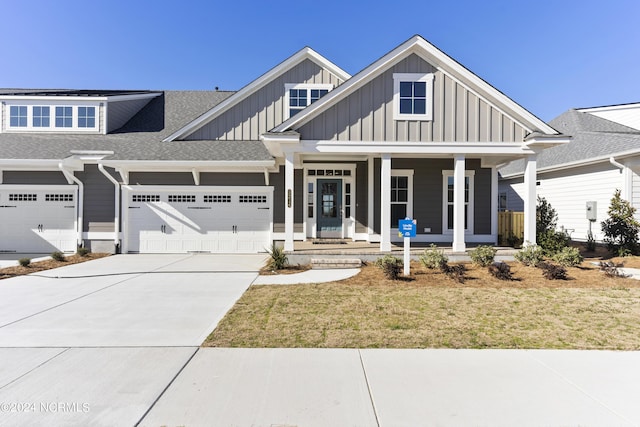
[407,227]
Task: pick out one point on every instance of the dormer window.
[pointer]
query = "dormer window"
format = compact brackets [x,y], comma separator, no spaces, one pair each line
[299,96]
[413,96]
[64,117]
[41,117]
[35,117]
[86,117]
[18,116]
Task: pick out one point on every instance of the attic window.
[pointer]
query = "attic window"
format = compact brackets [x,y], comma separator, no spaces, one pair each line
[413,96]
[299,96]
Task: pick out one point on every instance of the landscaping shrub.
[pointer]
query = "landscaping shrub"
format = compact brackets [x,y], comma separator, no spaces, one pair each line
[552,241]
[83,251]
[455,271]
[57,256]
[277,258]
[390,266]
[553,271]
[514,241]
[531,255]
[24,262]
[611,269]
[433,257]
[483,255]
[501,270]
[621,228]
[568,257]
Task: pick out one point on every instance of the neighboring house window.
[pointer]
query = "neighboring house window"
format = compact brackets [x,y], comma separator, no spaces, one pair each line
[448,200]
[299,96]
[64,117]
[18,116]
[41,117]
[502,202]
[401,195]
[413,96]
[86,117]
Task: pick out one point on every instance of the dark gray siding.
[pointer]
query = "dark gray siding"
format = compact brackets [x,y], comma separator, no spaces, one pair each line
[362,196]
[99,203]
[367,114]
[428,197]
[43,177]
[121,112]
[277,181]
[264,109]
[186,178]
[160,178]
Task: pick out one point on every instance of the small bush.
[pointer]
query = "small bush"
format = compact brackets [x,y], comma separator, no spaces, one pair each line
[57,256]
[531,255]
[568,257]
[24,262]
[553,271]
[621,229]
[514,241]
[483,255]
[455,271]
[277,258]
[433,257]
[552,242]
[83,252]
[610,269]
[501,270]
[390,266]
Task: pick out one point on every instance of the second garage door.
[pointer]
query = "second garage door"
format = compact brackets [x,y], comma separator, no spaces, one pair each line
[202,219]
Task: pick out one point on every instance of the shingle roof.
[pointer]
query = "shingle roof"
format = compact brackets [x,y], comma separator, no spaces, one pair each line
[141,137]
[592,137]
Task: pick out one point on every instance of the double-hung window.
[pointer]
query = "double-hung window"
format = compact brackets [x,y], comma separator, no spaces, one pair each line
[401,195]
[299,96]
[18,116]
[413,96]
[64,117]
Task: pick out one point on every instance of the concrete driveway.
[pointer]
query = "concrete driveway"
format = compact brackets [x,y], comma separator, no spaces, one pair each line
[97,343]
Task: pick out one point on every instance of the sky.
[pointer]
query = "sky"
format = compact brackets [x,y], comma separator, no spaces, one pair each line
[546,55]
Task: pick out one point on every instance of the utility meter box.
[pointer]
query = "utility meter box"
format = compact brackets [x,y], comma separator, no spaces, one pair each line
[592,208]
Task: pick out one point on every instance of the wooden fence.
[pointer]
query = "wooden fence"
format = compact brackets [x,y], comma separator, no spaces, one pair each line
[510,225]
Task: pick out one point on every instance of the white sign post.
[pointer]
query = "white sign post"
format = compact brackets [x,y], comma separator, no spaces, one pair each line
[407,255]
[407,229]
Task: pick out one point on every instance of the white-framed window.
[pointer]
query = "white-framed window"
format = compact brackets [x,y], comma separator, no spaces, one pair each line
[64,117]
[413,96]
[401,195]
[299,96]
[447,200]
[18,116]
[86,117]
[502,201]
[41,117]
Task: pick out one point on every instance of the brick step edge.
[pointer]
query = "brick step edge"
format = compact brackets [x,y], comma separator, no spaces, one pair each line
[320,264]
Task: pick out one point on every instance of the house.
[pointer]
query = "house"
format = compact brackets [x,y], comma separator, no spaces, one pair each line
[579,179]
[305,151]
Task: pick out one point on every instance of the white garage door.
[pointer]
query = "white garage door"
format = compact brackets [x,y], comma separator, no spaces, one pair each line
[198,219]
[38,219]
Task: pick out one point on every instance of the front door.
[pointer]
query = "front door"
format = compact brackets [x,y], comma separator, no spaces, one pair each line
[329,205]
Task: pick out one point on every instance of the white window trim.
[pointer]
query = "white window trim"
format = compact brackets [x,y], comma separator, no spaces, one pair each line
[52,117]
[409,174]
[307,86]
[413,77]
[445,218]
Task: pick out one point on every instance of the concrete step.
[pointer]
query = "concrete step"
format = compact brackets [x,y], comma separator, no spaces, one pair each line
[327,263]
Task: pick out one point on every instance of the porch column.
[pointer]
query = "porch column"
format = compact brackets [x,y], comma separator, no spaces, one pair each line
[530,199]
[458,204]
[288,202]
[370,195]
[494,204]
[385,204]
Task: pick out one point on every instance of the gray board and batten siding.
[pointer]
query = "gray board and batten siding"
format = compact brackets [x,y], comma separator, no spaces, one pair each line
[367,114]
[264,109]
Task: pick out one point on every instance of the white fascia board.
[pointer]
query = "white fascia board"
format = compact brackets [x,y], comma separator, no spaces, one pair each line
[432,54]
[202,188]
[188,166]
[301,55]
[415,148]
[30,164]
[541,143]
[578,163]
[609,108]
[81,99]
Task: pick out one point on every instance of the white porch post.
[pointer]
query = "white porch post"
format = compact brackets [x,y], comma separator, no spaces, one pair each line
[370,195]
[288,202]
[530,199]
[458,204]
[494,204]
[385,204]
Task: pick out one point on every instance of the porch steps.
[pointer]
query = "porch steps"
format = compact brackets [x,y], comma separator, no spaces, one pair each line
[328,263]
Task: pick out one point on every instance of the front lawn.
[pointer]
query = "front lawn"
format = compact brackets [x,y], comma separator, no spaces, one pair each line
[430,310]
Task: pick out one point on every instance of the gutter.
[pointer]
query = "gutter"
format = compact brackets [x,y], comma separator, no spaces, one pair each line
[613,161]
[71,178]
[116,217]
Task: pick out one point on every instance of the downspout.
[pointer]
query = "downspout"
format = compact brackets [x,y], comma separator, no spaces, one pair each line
[71,178]
[616,164]
[116,217]
[627,178]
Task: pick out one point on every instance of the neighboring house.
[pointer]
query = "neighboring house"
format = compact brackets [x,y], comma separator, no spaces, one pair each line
[604,155]
[305,151]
